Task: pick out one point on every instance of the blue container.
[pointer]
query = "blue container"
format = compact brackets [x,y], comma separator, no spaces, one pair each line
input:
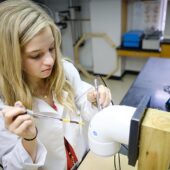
[131,44]
[132,38]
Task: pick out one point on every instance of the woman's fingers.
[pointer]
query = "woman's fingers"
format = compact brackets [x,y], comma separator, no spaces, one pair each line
[103,95]
[22,129]
[19,104]
[18,121]
[107,99]
[91,95]
[11,113]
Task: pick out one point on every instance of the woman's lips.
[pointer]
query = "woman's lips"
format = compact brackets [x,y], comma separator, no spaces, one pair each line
[49,69]
[47,72]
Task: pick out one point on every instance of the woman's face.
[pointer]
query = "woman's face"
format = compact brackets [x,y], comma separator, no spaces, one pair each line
[39,55]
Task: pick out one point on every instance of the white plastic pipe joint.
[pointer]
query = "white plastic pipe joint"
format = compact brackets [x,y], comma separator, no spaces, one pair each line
[110,128]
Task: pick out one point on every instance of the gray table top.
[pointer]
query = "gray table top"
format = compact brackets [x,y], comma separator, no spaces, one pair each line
[153,79]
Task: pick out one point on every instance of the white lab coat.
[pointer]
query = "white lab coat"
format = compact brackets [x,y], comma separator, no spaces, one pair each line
[51,151]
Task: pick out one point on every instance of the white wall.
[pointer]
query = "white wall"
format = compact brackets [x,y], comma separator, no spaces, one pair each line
[67,42]
[133,63]
[167,24]
[105,18]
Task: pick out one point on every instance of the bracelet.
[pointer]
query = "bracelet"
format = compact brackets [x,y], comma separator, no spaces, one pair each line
[33,137]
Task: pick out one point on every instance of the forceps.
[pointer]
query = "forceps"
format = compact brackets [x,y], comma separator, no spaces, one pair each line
[49,115]
[97,97]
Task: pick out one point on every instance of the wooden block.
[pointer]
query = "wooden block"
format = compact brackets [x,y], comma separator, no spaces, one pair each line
[154,147]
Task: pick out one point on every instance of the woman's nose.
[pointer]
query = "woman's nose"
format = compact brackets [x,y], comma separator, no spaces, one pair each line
[48,59]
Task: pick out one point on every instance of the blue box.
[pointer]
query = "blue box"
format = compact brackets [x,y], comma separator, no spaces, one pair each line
[132,38]
[131,44]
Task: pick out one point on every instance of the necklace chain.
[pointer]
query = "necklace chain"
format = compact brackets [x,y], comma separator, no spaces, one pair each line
[45,96]
[41,95]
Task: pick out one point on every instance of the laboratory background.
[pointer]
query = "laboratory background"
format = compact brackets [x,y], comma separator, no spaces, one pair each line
[125,45]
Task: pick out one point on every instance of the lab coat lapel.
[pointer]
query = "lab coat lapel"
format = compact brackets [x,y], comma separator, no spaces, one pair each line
[51,135]
[42,106]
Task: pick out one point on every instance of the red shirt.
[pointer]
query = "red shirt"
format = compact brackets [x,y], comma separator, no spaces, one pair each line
[71,156]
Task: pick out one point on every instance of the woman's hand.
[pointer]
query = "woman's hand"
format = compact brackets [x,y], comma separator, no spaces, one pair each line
[18,122]
[104,96]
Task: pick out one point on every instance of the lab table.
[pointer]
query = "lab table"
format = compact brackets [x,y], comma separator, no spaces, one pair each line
[153,78]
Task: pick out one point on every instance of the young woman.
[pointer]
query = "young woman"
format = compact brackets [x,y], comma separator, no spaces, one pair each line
[33,76]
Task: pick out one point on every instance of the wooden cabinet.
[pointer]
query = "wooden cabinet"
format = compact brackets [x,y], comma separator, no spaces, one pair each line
[137,53]
[163,53]
[165,50]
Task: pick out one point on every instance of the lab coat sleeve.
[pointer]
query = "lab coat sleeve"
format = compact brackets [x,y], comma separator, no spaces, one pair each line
[13,156]
[87,110]
[19,159]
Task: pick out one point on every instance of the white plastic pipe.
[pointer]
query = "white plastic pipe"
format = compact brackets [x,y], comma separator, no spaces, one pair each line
[109,128]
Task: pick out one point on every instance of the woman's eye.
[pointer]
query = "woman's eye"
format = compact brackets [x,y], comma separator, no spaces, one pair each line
[51,49]
[35,57]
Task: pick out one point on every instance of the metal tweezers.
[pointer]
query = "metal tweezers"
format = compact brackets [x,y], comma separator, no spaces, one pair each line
[97,97]
[49,115]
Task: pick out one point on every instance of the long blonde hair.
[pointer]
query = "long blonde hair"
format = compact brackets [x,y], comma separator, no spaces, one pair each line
[20,21]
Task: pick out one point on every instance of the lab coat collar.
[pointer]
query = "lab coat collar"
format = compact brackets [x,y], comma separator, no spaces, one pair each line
[41,106]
